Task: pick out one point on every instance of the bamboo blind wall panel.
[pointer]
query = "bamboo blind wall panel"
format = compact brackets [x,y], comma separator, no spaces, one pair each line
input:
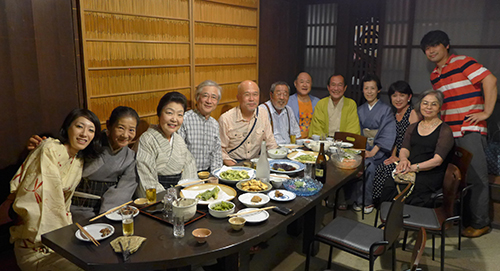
[226,74]
[229,93]
[225,54]
[212,33]
[221,108]
[145,103]
[220,13]
[166,8]
[106,54]
[103,82]
[130,27]
[245,3]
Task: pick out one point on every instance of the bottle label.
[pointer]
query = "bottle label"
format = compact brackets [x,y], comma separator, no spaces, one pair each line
[319,172]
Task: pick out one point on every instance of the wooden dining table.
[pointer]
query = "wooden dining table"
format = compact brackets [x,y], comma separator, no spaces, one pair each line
[162,250]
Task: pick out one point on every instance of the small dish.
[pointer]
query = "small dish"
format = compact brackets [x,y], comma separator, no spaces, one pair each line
[220,214]
[95,231]
[297,166]
[254,217]
[140,201]
[239,185]
[116,216]
[246,199]
[237,223]
[203,174]
[277,153]
[285,195]
[201,234]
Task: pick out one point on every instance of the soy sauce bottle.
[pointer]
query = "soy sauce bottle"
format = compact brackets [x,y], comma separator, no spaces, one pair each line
[320,171]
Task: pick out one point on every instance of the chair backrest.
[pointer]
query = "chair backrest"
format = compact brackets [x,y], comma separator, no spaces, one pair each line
[142,127]
[461,158]
[394,223]
[358,141]
[418,250]
[451,188]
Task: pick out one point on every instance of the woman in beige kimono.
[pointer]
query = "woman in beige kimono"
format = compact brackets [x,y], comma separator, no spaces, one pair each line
[44,185]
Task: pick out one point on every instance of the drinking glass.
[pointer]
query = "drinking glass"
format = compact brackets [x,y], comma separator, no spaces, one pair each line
[178,226]
[127,221]
[308,171]
[151,194]
[293,139]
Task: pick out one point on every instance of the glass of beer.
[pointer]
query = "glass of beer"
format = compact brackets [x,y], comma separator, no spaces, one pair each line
[151,194]
[127,221]
[293,139]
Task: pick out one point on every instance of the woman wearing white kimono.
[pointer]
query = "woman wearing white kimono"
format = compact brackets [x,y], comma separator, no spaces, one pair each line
[44,185]
[378,125]
[162,155]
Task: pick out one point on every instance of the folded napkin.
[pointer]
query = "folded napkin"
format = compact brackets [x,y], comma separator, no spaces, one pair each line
[132,243]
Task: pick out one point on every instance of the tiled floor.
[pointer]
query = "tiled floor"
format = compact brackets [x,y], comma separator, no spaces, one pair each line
[284,253]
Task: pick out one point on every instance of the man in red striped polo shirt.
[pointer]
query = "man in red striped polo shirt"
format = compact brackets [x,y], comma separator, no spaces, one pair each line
[465,110]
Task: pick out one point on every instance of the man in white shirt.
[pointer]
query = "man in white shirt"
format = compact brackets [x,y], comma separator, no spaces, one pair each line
[281,117]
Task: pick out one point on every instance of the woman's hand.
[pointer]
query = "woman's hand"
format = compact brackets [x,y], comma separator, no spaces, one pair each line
[391,160]
[403,166]
[34,141]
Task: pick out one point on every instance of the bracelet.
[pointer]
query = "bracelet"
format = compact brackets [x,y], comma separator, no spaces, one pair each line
[418,167]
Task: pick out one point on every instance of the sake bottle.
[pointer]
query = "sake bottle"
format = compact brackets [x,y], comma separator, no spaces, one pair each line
[263,168]
[320,171]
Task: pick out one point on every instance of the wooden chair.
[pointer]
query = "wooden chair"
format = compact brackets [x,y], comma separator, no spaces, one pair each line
[359,142]
[142,127]
[418,250]
[363,240]
[437,220]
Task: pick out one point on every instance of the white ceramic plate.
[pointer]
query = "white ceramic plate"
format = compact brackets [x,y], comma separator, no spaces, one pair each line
[217,172]
[247,199]
[93,229]
[190,180]
[287,195]
[346,145]
[116,216]
[254,217]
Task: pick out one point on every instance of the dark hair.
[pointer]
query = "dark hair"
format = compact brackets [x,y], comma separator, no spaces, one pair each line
[94,148]
[371,77]
[279,83]
[401,87]
[434,38]
[121,112]
[335,74]
[175,97]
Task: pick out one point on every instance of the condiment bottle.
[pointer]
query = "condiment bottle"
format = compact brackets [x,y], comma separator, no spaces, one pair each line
[320,171]
[263,168]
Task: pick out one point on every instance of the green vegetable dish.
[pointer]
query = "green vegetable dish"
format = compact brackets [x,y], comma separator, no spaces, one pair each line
[214,193]
[234,175]
[222,206]
[306,158]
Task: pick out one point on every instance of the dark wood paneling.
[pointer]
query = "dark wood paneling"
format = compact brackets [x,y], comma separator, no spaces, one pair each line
[38,75]
[278,43]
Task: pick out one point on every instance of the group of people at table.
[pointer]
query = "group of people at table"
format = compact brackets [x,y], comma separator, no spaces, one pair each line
[183,143]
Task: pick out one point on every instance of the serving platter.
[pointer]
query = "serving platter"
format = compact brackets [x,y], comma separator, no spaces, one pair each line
[294,155]
[297,165]
[219,171]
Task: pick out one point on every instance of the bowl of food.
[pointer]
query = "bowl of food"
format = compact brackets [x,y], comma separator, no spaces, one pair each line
[346,160]
[184,207]
[254,186]
[315,145]
[237,223]
[277,153]
[277,182]
[254,199]
[201,234]
[234,174]
[221,209]
[203,174]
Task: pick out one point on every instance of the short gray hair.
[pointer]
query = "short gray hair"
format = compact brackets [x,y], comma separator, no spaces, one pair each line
[438,94]
[207,83]
[279,83]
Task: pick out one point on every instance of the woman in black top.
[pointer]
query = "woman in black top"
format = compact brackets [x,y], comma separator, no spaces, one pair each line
[425,151]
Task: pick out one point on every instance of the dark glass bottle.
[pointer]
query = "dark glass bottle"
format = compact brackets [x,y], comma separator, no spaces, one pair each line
[320,171]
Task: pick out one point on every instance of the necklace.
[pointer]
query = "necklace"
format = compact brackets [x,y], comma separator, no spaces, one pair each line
[429,126]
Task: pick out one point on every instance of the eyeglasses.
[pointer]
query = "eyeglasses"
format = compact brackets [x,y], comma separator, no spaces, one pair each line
[206,96]
[433,104]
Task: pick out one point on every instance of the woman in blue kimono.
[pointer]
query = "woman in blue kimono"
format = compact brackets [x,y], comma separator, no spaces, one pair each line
[377,123]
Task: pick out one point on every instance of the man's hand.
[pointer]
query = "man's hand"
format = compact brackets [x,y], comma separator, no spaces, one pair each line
[34,141]
[474,118]
[391,160]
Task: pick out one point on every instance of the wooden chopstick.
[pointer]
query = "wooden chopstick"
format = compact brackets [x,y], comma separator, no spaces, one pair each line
[91,238]
[110,211]
[253,211]
[191,182]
